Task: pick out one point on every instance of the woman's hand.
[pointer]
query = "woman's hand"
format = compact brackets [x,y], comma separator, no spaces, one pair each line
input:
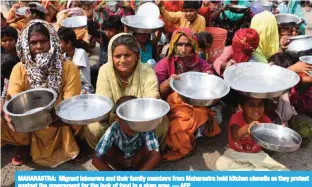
[301,67]
[225,65]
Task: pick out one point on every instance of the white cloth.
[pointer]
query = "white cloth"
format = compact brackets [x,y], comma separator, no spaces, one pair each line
[238,161]
[81,60]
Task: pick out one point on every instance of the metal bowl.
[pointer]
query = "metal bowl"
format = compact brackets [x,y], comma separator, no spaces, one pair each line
[306,59]
[31,110]
[21,11]
[267,6]
[259,80]
[287,18]
[75,22]
[142,24]
[84,109]
[200,89]
[149,9]
[143,114]
[238,8]
[299,45]
[276,137]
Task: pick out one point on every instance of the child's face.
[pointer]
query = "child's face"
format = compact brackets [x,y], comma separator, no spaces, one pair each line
[8,43]
[110,32]
[125,128]
[286,33]
[253,109]
[142,37]
[65,46]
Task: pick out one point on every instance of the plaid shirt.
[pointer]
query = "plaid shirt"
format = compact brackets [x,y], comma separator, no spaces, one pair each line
[127,144]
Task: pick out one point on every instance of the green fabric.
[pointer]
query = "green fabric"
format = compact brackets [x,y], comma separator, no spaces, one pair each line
[258,57]
[231,15]
[303,125]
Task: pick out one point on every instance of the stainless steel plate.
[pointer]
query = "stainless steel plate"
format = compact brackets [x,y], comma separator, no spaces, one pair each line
[21,11]
[84,109]
[149,9]
[143,114]
[287,18]
[260,80]
[306,59]
[75,22]
[276,137]
[142,24]
[200,89]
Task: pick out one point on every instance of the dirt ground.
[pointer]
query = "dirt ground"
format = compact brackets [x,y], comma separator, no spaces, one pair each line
[207,152]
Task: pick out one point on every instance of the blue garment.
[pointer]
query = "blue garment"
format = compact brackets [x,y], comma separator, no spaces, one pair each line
[148,53]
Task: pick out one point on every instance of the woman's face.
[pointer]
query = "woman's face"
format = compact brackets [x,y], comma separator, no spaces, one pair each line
[184,46]
[38,43]
[124,59]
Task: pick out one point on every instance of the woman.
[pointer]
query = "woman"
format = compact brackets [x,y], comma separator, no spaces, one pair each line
[244,43]
[42,66]
[123,75]
[266,25]
[184,118]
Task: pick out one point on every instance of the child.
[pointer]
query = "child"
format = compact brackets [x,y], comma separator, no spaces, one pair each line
[121,148]
[9,37]
[8,61]
[205,40]
[251,113]
[285,31]
[78,56]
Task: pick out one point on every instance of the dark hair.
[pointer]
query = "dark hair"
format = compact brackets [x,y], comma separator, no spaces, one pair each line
[112,22]
[285,26]
[9,31]
[67,35]
[281,59]
[121,100]
[39,27]
[191,5]
[204,38]
[8,61]
[35,12]
[242,99]
[129,41]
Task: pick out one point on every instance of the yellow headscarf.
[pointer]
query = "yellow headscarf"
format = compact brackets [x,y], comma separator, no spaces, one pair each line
[266,25]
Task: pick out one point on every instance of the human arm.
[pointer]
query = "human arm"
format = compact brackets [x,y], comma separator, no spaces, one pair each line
[152,144]
[238,132]
[222,61]
[153,159]
[170,16]
[301,67]
[102,85]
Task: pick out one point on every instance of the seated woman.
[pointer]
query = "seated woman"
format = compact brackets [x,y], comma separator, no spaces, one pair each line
[243,152]
[42,66]
[184,118]
[244,43]
[266,25]
[124,74]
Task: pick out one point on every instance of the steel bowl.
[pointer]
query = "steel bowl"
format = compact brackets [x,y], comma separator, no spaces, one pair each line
[267,6]
[238,8]
[200,89]
[22,11]
[306,59]
[142,24]
[143,114]
[287,18]
[276,137]
[299,45]
[149,9]
[75,22]
[31,110]
[259,80]
[84,109]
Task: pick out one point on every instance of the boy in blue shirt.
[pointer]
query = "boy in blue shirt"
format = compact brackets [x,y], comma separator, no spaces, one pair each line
[121,148]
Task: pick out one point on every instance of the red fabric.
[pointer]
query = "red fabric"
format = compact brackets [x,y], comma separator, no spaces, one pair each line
[244,43]
[205,12]
[245,144]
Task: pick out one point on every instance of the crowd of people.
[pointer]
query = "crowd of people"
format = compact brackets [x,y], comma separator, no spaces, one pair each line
[38,51]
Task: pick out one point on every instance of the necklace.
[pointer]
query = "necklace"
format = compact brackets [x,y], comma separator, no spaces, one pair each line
[126,82]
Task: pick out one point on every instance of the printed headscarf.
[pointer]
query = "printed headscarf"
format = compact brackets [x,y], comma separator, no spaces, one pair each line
[244,43]
[45,71]
[176,63]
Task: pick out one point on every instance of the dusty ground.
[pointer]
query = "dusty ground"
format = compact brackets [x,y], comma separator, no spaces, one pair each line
[207,152]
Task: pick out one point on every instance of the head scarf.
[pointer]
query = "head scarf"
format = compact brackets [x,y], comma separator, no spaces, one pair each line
[266,25]
[45,71]
[244,43]
[176,63]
